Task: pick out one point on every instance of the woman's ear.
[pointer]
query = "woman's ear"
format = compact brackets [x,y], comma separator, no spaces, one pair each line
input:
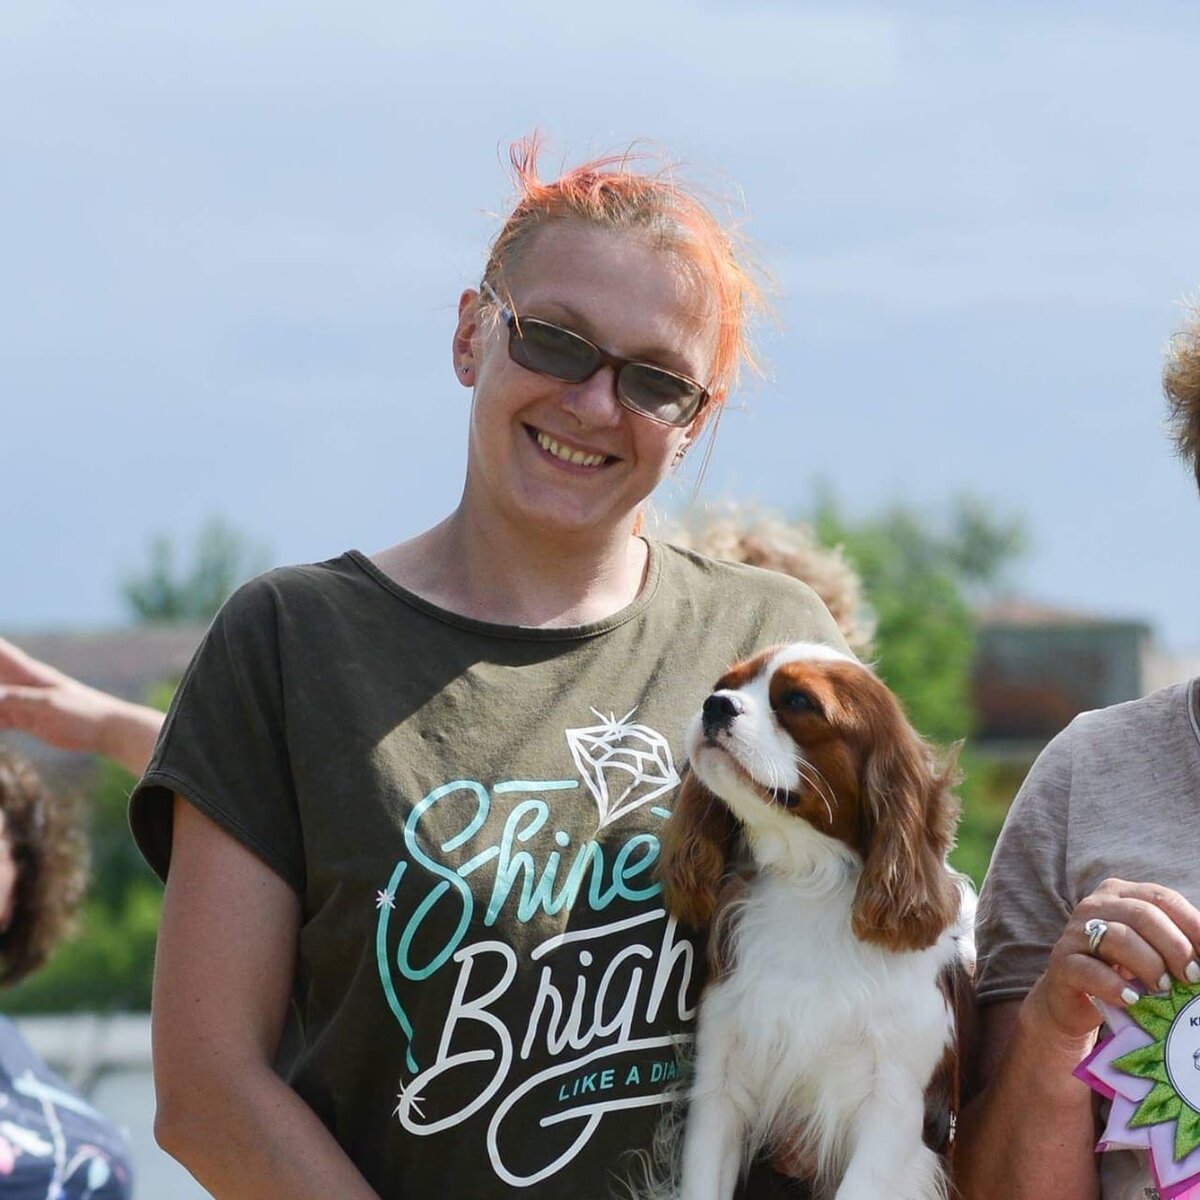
[466,334]
[906,896]
[697,840]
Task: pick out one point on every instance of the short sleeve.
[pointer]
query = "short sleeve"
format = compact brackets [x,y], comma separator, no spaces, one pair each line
[1025,900]
[223,746]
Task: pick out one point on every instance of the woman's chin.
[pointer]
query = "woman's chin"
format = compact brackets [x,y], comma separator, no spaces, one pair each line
[560,509]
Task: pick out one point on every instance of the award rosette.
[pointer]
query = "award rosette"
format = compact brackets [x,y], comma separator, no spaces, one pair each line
[1150,1069]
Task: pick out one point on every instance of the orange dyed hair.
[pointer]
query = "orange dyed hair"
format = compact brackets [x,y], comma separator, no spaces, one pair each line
[608,193]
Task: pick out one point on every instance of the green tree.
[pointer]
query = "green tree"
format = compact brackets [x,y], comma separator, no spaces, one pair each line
[981,546]
[921,577]
[164,592]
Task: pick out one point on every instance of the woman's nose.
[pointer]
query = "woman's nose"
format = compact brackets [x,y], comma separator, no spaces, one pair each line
[594,401]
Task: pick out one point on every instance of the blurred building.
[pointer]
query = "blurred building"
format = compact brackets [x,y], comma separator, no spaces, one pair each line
[1037,667]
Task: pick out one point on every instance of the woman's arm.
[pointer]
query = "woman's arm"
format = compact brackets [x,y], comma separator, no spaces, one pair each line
[1029,1134]
[222,984]
[53,707]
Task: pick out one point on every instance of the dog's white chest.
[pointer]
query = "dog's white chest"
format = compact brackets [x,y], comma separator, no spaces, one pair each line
[809,1016]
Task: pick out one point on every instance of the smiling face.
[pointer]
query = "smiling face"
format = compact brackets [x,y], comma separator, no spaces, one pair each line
[563,458]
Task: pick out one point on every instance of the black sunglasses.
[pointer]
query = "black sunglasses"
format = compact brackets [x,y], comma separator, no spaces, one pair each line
[548,349]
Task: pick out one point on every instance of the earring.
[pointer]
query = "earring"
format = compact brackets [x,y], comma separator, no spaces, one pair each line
[464,369]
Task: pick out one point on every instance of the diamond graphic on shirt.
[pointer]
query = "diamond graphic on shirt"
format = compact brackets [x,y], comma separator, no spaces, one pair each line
[625,766]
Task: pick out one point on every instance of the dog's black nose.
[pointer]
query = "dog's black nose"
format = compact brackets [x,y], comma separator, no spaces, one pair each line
[719,710]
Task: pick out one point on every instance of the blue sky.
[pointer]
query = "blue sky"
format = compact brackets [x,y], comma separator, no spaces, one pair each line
[235,234]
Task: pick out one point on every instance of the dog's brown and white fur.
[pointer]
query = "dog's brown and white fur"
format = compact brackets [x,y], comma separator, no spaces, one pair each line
[834,948]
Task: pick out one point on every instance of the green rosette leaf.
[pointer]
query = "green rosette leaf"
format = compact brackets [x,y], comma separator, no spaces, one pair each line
[1182,993]
[1187,1132]
[1146,1061]
[1154,1014]
[1162,1104]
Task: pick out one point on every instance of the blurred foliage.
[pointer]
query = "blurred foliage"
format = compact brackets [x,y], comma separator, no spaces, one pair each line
[921,577]
[986,792]
[222,559]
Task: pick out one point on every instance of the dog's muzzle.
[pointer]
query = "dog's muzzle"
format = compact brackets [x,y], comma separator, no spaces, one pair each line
[719,712]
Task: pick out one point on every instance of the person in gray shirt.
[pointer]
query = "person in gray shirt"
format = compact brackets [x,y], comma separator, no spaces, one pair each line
[1093,889]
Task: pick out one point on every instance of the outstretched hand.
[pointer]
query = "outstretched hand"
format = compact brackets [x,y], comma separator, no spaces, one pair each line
[39,700]
[51,706]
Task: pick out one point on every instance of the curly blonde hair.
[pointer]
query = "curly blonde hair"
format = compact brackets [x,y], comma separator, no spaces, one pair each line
[766,540]
[50,851]
[1181,383]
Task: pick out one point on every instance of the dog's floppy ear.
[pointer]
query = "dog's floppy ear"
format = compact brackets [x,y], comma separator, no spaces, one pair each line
[906,896]
[697,839]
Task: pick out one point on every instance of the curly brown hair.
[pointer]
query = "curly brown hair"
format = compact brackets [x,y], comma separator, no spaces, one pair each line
[762,539]
[1181,383]
[49,848]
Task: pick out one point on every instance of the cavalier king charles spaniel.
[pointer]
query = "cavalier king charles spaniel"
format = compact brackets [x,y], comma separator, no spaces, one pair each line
[810,840]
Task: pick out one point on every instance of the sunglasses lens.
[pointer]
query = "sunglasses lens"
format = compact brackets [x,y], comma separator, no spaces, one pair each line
[549,350]
[664,397]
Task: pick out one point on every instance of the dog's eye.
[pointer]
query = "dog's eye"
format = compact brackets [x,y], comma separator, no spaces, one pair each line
[797,701]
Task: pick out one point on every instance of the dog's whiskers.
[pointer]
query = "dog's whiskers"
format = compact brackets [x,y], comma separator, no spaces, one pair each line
[813,777]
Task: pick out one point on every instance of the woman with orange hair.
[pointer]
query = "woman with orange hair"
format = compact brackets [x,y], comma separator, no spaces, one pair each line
[407,804]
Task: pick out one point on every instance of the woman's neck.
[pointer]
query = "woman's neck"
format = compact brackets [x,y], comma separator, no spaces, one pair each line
[491,572]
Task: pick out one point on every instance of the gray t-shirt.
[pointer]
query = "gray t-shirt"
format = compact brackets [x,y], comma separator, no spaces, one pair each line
[1117,793]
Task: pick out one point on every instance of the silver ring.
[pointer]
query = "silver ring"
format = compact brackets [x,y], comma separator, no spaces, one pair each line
[1095,929]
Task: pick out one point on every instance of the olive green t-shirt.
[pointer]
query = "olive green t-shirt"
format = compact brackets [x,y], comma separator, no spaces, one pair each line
[489,992]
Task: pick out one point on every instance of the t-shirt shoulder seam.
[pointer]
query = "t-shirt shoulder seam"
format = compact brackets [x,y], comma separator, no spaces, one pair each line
[280,579]
[162,777]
